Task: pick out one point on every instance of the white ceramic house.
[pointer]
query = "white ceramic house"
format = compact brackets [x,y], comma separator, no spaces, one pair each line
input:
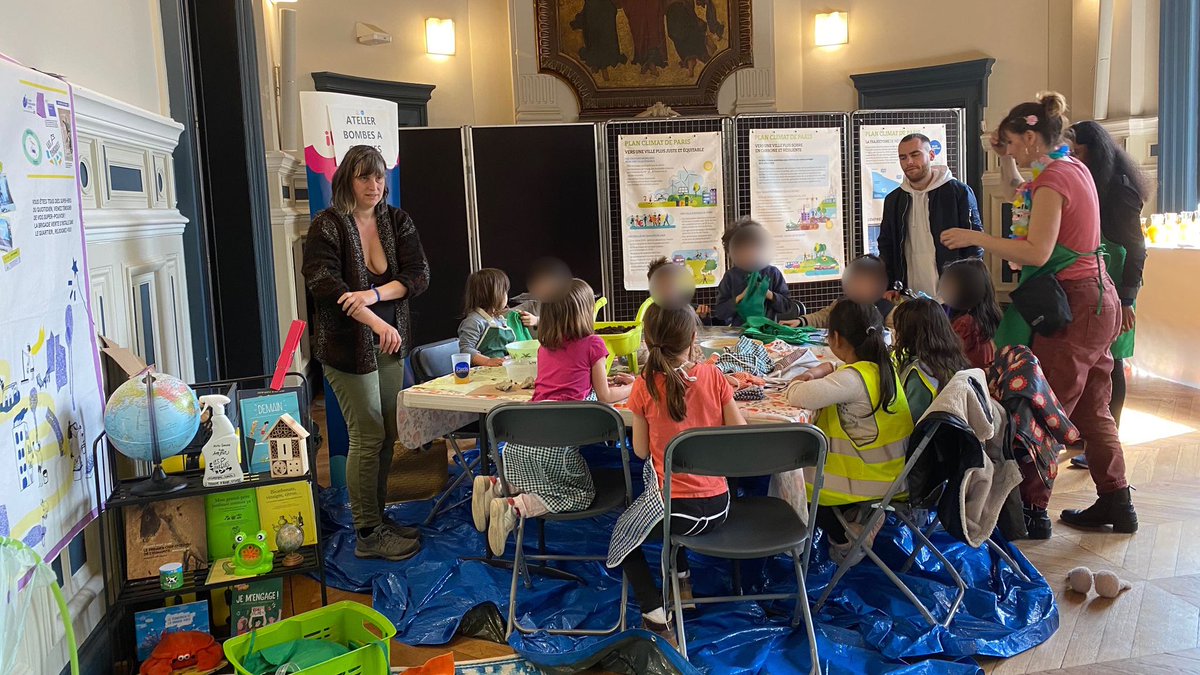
[288,448]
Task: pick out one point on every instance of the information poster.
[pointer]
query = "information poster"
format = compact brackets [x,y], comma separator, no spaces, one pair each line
[879,161]
[796,193]
[50,394]
[671,204]
[332,124]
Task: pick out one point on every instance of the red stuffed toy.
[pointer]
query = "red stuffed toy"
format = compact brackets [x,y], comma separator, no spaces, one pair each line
[182,650]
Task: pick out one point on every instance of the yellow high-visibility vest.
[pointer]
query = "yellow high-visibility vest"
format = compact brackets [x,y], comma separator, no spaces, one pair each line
[858,473]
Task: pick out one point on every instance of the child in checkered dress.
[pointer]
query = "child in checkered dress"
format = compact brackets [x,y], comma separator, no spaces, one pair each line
[571,367]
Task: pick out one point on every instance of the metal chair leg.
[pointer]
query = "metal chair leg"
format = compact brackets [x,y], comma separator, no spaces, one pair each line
[468,472]
[958,580]
[903,588]
[518,564]
[809,627]
[1006,557]
[674,576]
[858,543]
[917,547]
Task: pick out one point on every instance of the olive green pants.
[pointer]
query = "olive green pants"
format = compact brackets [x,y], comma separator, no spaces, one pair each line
[368,403]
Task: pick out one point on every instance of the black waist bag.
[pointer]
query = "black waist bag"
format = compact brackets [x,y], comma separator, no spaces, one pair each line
[1042,302]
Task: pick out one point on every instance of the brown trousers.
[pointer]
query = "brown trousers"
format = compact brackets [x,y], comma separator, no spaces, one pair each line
[1078,366]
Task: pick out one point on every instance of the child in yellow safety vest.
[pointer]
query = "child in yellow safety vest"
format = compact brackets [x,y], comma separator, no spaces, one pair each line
[928,352]
[863,411]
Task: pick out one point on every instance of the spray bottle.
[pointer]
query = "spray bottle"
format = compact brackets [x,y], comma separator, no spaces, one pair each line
[222,465]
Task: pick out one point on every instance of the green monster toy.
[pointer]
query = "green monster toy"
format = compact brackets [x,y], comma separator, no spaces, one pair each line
[251,555]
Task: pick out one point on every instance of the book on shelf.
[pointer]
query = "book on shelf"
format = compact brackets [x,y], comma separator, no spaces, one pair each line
[170,531]
[226,514]
[260,410]
[288,503]
[149,626]
[255,605]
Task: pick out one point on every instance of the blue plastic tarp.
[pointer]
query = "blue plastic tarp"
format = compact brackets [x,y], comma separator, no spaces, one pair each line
[867,626]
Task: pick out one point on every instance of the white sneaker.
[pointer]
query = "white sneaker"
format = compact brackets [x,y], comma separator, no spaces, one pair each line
[481,492]
[503,520]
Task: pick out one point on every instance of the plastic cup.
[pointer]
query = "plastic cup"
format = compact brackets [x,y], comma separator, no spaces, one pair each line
[462,368]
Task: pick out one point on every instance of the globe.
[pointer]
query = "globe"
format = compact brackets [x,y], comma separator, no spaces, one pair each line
[176,416]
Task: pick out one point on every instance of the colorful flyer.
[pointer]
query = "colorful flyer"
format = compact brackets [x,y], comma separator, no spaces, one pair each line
[879,162]
[672,204]
[796,193]
[51,401]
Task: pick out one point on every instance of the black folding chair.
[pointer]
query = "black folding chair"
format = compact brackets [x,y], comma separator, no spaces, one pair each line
[430,362]
[553,424]
[757,527]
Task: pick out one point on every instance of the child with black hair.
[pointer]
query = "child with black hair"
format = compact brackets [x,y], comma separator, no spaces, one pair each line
[966,288]
[866,281]
[863,411]
[752,286]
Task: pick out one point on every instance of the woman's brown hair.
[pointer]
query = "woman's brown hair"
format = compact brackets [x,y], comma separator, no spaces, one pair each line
[487,289]
[1048,114]
[360,160]
[569,316]
[670,334]
[923,333]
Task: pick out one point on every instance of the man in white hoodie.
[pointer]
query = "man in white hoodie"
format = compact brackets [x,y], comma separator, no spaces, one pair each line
[928,201]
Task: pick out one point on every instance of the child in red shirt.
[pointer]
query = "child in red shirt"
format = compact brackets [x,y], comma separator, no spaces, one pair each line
[672,395]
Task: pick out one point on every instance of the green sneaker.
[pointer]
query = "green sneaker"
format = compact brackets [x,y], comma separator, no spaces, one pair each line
[386,544]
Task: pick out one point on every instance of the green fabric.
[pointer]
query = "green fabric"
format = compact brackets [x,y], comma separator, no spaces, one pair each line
[1122,348]
[520,331]
[494,343]
[766,330]
[301,653]
[1013,329]
[754,302]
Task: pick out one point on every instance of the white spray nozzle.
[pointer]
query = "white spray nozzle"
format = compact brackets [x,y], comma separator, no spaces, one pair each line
[215,401]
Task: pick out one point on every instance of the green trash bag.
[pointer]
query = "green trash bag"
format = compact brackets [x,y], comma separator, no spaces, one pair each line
[766,330]
[298,653]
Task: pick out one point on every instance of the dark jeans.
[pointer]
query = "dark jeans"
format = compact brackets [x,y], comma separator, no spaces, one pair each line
[1079,368]
[688,516]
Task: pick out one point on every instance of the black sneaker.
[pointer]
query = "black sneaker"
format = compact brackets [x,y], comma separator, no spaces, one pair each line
[385,544]
[406,531]
[1037,523]
[1113,508]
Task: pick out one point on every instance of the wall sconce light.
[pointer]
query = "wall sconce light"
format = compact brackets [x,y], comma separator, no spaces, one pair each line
[832,29]
[439,37]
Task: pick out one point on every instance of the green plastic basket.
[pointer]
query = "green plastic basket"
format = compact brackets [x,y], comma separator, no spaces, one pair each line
[345,622]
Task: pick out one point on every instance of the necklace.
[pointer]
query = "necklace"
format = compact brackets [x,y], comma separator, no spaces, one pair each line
[1023,202]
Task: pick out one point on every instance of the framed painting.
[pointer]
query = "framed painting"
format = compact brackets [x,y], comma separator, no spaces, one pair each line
[622,56]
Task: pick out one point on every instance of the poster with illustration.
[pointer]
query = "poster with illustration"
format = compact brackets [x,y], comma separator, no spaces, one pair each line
[796,193]
[672,204]
[50,394]
[879,163]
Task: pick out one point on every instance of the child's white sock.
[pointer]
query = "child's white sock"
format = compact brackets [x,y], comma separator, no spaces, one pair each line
[685,574]
[658,616]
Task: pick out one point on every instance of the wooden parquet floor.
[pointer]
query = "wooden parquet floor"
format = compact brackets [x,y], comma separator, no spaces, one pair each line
[1152,628]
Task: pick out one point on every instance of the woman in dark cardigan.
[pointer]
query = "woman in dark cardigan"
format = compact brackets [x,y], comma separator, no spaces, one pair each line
[362,262]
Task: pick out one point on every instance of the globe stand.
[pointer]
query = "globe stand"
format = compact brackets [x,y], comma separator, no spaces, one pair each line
[292,559]
[159,482]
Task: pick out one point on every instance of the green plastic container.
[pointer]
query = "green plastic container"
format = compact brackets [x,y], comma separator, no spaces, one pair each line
[525,349]
[345,622]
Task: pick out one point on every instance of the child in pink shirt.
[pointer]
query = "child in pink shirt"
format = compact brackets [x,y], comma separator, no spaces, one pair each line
[571,367]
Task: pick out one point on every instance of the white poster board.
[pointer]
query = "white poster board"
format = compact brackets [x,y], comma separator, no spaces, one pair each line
[331,124]
[796,193]
[672,199]
[51,400]
[879,165]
